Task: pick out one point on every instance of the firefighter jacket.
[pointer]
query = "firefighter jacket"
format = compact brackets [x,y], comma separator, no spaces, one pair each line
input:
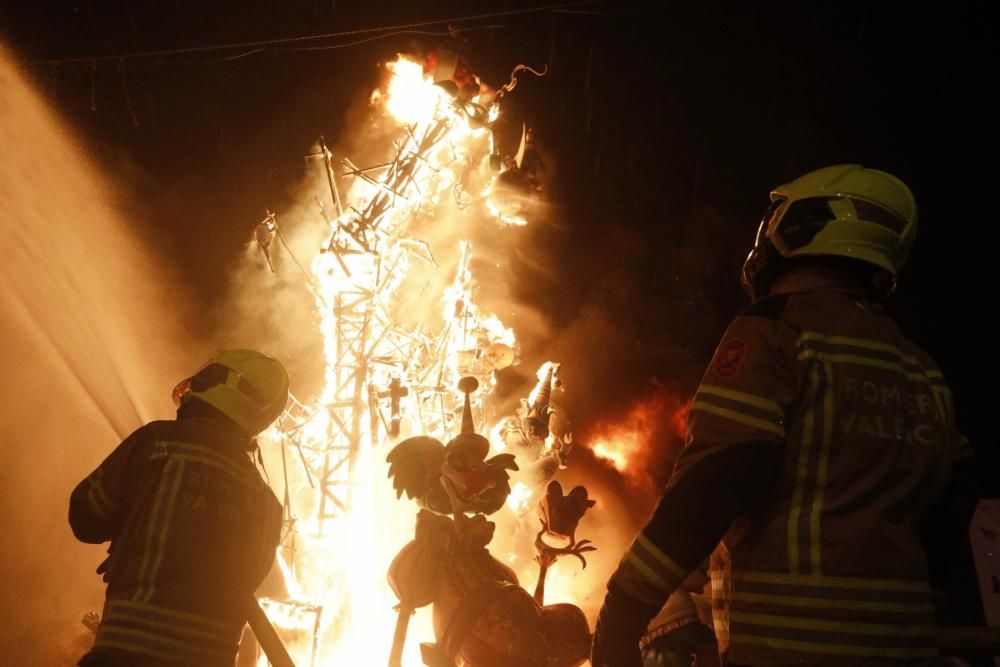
[193,531]
[817,439]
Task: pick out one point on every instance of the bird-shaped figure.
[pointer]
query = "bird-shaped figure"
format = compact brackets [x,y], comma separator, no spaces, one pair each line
[453,478]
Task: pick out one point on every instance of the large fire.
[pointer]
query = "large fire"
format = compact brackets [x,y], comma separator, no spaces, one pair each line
[626,444]
[400,324]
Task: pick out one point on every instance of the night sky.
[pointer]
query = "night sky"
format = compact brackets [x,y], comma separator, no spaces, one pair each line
[663,127]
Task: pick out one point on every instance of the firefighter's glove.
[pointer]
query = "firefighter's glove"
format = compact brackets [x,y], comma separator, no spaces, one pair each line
[102,569]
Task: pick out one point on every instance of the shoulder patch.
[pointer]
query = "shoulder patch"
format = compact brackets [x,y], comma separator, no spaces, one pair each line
[729,358]
[769,307]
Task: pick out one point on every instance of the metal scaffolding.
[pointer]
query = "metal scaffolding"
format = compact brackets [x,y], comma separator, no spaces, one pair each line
[381,370]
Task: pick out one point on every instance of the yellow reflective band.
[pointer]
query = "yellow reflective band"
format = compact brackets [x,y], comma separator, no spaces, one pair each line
[821,470]
[96,508]
[162,542]
[95,503]
[128,618]
[180,615]
[834,649]
[863,361]
[942,389]
[99,490]
[741,397]
[822,581]
[240,475]
[188,448]
[143,578]
[739,417]
[176,446]
[664,560]
[823,603]
[180,646]
[802,471]
[850,627]
[649,573]
[140,649]
[99,500]
[208,456]
[860,342]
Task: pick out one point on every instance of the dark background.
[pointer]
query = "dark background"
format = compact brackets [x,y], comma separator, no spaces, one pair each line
[663,127]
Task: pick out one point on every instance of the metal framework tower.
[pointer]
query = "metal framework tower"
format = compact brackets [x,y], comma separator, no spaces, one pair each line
[378,363]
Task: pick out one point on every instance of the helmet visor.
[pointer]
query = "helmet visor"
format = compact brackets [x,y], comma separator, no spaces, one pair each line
[765,222]
[182,389]
[213,374]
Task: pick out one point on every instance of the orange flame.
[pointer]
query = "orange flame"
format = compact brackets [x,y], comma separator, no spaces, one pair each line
[679,418]
[627,444]
[617,448]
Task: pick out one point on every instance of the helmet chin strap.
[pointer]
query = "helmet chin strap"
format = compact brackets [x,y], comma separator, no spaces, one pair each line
[761,270]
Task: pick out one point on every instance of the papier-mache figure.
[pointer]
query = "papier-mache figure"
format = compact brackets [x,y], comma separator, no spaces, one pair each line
[482,616]
[539,449]
[453,478]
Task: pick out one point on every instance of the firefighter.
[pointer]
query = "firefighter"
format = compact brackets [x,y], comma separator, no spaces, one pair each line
[193,527]
[818,440]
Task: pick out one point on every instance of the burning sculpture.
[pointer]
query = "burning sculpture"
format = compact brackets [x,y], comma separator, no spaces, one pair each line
[538,451]
[559,515]
[482,617]
[263,235]
[393,285]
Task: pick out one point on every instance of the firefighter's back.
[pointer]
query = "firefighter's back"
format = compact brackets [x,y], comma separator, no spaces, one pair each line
[194,546]
[832,570]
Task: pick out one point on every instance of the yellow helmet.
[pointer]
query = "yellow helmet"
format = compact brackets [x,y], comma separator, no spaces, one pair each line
[845,211]
[249,387]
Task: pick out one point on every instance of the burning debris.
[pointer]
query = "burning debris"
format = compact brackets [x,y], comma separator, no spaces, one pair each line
[538,451]
[263,235]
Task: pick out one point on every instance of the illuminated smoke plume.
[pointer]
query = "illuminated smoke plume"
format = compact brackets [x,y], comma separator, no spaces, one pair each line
[89,353]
